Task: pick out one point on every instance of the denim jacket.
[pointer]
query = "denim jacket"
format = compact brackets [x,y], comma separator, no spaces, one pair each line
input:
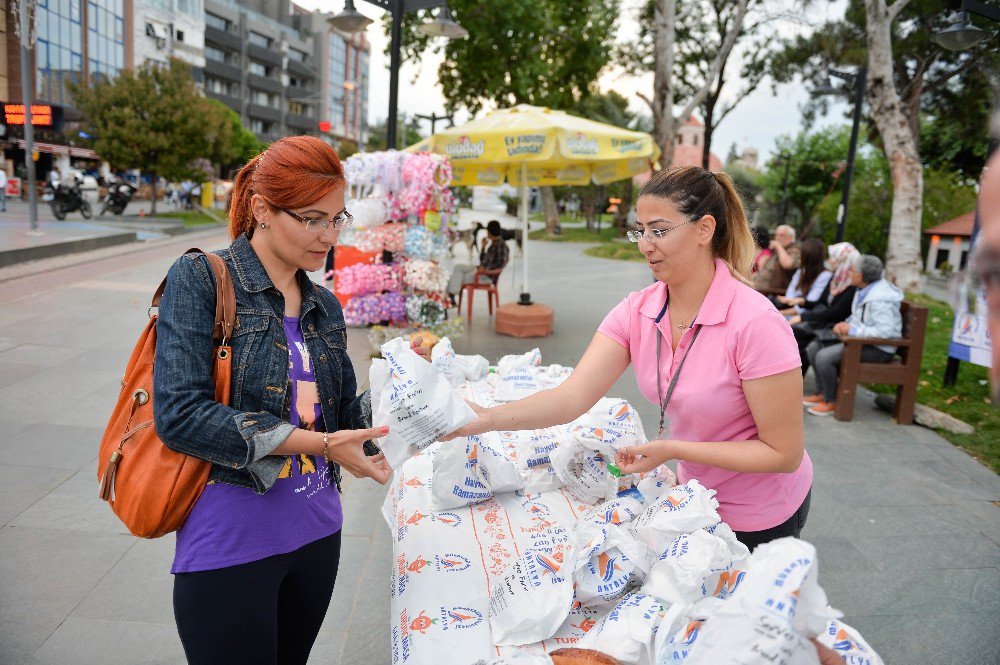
[238,439]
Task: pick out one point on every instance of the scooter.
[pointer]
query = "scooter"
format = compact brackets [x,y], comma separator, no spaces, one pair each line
[119,196]
[67,199]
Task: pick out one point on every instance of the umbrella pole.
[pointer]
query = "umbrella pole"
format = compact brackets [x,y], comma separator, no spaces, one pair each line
[525,295]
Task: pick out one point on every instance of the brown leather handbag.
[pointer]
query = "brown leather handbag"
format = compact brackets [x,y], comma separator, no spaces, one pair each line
[151,488]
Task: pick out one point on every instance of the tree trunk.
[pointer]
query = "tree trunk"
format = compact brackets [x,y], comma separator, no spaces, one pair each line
[706,148]
[152,209]
[621,217]
[664,22]
[903,262]
[551,209]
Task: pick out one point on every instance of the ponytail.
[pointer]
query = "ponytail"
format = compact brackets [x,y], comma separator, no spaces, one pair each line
[736,246]
[238,203]
[697,191]
[293,172]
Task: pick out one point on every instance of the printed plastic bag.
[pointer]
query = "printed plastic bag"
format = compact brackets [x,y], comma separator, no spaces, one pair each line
[656,483]
[778,606]
[517,376]
[457,368]
[416,402]
[685,508]
[691,568]
[518,658]
[584,472]
[848,644]
[627,631]
[470,470]
[532,600]
[610,562]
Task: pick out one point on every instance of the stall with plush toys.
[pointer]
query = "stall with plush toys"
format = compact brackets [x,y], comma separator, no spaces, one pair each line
[402,206]
[532,548]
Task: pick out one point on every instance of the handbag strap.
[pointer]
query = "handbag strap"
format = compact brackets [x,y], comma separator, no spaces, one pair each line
[225,297]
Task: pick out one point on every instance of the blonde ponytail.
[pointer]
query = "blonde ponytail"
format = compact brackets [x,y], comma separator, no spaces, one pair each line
[736,247]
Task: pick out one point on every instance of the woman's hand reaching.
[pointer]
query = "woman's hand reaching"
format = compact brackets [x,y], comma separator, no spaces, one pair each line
[347,449]
[417,345]
[643,458]
[482,423]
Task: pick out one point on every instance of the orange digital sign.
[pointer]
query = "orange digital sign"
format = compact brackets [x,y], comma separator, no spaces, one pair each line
[41,114]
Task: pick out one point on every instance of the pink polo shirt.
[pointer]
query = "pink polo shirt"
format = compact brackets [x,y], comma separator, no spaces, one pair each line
[743,337]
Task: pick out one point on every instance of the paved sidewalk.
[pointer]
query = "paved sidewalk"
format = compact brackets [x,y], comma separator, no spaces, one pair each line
[907,526]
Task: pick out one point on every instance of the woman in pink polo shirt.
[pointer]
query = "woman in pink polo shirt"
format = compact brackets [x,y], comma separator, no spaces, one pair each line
[715,355]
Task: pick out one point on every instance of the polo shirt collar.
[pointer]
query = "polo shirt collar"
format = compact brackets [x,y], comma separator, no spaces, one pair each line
[713,311]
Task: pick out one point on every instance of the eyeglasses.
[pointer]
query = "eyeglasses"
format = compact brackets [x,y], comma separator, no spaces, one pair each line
[342,220]
[657,234]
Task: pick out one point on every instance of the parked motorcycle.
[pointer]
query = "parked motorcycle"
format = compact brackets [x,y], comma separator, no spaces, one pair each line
[119,196]
[69,198]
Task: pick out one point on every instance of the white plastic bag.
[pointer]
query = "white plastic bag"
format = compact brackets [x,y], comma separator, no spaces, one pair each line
[457,368]
[685,508]
[415,401]
[609,562]
[518,658]
[584,472]
[848,644]
[656,483]
[471,470]
[691,568]
[627,631]
[533,599]
[778,606]
[517,376]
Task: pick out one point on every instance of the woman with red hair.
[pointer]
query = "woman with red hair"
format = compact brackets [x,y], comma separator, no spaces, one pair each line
[256,561]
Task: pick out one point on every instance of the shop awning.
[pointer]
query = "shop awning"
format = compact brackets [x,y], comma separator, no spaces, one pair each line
[57,149]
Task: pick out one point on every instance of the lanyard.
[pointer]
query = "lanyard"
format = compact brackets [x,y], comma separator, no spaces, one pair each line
[664,401]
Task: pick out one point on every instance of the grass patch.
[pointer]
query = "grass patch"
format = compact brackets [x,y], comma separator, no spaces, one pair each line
[576,234]
[616,250]
[191,217]
[967,400]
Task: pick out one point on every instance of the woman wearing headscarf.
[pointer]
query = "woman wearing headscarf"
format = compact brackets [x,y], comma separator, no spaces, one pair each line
[833,305]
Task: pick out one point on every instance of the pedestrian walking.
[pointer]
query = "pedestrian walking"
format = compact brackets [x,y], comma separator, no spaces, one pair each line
[3,190]
[715,356]
[256,561]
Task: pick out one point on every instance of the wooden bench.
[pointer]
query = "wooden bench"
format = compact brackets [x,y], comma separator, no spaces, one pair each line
[902,371]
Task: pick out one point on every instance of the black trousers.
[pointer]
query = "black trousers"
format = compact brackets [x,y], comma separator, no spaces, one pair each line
[790,527]
[268,611]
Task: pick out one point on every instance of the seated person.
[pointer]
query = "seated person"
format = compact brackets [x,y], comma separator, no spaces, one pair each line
[492,259]
[808,282]
[762,237]
[777,271]
[833,304]
[874,313]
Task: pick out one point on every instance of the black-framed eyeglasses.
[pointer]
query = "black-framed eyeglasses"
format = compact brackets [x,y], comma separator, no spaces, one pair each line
[342,220]
[652,235]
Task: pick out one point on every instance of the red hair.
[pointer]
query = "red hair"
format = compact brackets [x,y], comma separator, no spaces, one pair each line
[292,173]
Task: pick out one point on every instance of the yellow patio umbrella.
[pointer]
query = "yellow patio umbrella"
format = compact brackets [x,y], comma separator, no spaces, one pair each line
[531,146]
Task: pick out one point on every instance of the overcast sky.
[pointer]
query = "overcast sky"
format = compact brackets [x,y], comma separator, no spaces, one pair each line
[756,122]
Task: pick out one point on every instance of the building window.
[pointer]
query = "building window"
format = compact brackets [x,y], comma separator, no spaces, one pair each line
[218,55]
[58,50]
[258,39]
[261,98]
[258,69]
[179,35]
[298,56]
[260,126]
[217,22]
[218,86]
[299,108]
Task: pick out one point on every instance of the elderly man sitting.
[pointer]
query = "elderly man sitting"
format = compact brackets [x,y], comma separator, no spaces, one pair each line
[874,313]
[777,271]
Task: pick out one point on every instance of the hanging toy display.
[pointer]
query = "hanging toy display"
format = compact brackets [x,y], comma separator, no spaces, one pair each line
[401,204]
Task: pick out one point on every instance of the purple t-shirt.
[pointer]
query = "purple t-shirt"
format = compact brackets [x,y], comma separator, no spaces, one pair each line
[231,525]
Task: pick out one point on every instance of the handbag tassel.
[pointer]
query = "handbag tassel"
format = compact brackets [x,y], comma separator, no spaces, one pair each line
[107,492]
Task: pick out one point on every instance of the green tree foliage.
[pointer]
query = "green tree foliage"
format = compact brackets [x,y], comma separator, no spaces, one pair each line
[949,85]
[245,145]
[407,133]
[814,190]
[155,119]
[955,119]
[543,52]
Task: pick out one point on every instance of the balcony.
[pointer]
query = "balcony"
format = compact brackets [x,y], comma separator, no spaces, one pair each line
[223,71]
[301,70]
[223,38]
[299,121]
[264,83]
[235,103]
[266,56]
[264,113]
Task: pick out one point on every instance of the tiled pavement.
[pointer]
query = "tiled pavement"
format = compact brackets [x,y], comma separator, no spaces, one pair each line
[907,526]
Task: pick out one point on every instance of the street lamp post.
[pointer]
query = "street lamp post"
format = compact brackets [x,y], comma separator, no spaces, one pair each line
[24,28]
[856,85]
[443,26]
[961,35]
[434,117]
